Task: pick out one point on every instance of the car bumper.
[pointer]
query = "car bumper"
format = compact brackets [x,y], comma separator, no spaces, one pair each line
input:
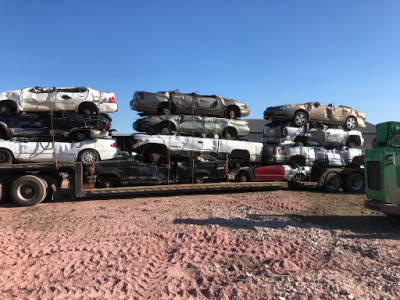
[244,112]
[108,107]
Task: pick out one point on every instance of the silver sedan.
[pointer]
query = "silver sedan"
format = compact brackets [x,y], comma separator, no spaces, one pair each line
[188,125]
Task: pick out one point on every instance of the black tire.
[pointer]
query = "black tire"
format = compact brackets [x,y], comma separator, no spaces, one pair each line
[28,190]
[354,183]
[299,177]
[88,157]
[229,134]
[6,157]
[6,109]
[299,119]
[351,123]
[80,136]
[105,182]
[3,134]
[3,190]
[333,183]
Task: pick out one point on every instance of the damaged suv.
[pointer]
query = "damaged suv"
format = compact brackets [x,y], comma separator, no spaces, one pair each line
[83,100]
[175,102]
[66,125]
[187,124]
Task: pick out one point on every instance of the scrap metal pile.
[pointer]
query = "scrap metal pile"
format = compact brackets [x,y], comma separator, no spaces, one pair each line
[186,137]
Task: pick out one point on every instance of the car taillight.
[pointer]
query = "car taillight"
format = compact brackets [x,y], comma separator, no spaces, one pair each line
[284,131]
[113,145]
[275,150]
[111,100]
[106,126]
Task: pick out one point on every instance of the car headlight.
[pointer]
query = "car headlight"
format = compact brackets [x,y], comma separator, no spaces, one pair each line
[285,107]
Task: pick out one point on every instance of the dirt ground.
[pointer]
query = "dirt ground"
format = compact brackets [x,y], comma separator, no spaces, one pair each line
[258,245]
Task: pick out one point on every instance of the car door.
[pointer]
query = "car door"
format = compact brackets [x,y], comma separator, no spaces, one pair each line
[37,99]
[36,151]
[334,137]
[69,98]
[213,125]
[317,112]
[210,106]
[184,103]
[192,124]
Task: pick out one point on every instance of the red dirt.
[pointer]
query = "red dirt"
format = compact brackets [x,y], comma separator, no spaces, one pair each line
[239,246]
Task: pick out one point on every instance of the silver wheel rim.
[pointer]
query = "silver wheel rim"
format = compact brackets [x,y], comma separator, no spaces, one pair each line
[27,191]
[88,157]
[300,119]
[351,123]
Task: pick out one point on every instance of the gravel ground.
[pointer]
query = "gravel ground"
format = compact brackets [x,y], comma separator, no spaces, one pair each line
[260,245]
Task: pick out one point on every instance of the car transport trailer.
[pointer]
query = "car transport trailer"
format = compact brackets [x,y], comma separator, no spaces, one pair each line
[31,183]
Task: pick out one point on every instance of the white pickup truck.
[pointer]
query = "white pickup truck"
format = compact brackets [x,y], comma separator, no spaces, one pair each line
[154,147]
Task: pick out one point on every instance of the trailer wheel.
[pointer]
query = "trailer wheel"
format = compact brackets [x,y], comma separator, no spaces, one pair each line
[354,183]
[28,190]
[333,183]
[2,190]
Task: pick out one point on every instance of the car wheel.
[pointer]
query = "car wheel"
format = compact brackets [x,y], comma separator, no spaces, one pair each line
[198,179]
[354,183]
[28,190]
[350,123]
[80,136]
[88,157]
[300,142]
[299,177]
[352,144]
[154,156]
[242,178]
[5,157]
[299,119]
[333,183]
[166,111]
[5,109]
[165,131]
[104,182]
[231,113]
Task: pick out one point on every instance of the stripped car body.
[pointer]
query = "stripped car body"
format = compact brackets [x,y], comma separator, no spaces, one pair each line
[154,147]
[301,114]
[175,102]
[64,125]
[311,134]
[82,100]
[29,150]
[188,124]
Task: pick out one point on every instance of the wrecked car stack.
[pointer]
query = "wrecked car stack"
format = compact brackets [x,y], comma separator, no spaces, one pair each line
[72,118]
[313,134]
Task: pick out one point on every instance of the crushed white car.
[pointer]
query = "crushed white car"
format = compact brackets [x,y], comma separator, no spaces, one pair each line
[319,135]
[156,146]
[312,156]
[87,152]
[83,100]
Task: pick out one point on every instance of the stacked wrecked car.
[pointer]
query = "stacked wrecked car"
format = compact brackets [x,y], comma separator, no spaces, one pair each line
[313,134]
[204,128]
[63,124]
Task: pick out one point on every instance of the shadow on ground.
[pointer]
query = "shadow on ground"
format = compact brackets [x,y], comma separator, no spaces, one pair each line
[377,227]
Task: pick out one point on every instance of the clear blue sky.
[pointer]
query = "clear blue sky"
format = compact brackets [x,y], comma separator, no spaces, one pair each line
[261,52]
